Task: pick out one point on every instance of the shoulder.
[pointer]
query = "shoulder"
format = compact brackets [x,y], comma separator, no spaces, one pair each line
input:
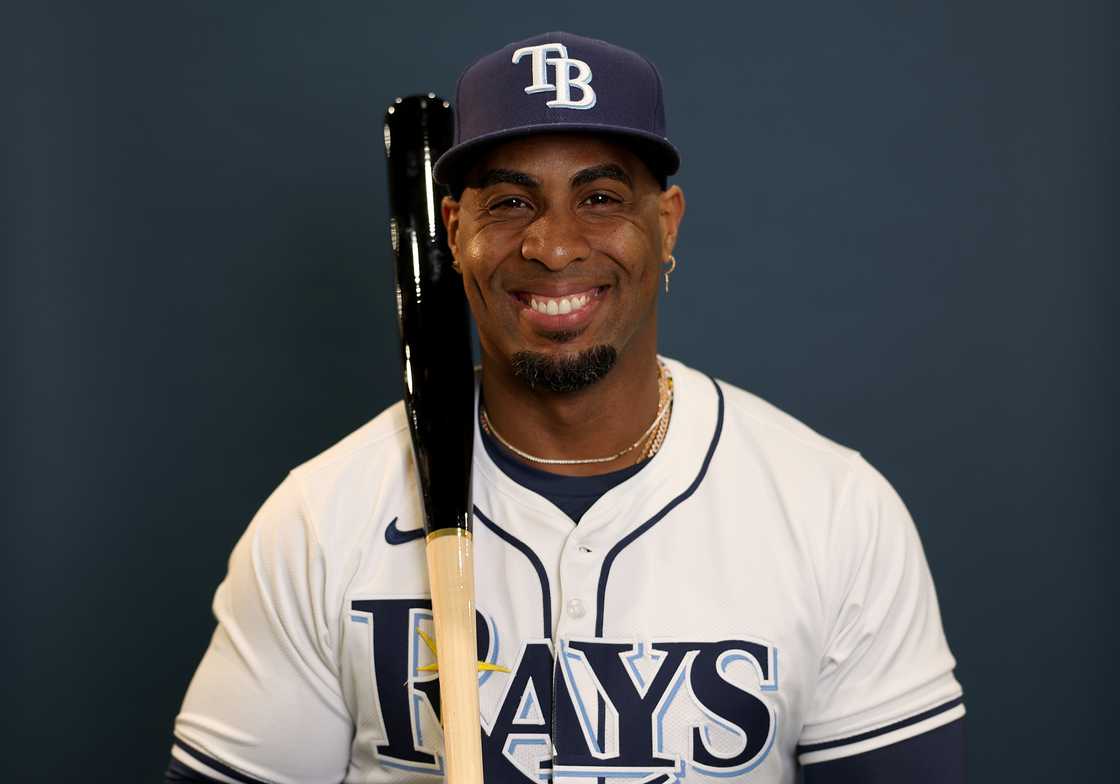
[768,422]
[825,491]
[371,444]
[758,434]
[340,492]
[803,452]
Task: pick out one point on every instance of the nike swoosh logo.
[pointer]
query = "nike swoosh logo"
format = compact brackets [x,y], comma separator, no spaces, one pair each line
[394,535]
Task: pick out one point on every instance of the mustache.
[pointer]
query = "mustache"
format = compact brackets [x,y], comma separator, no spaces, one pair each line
[580,279]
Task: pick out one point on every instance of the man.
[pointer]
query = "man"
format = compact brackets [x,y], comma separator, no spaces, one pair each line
[675,580]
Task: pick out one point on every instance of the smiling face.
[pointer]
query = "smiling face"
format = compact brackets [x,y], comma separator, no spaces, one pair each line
[560,240]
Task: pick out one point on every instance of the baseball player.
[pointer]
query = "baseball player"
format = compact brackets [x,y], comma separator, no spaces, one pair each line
[675,580]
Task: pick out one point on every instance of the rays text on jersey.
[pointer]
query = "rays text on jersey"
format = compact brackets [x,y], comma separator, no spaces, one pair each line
[649,710]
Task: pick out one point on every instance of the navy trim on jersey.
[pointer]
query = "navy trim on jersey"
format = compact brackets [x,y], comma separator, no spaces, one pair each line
[934,757]
[601,599]
[221,767]
[546,594]
[604,574]
[831,744]
[178,773]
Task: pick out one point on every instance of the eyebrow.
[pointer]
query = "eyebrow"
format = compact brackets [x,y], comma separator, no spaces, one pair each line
[510,176]
[608,171]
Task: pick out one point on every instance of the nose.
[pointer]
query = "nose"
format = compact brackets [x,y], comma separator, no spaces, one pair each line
[555,239]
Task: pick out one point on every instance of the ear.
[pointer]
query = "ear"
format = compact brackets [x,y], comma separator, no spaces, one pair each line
[670,212]
[449,209]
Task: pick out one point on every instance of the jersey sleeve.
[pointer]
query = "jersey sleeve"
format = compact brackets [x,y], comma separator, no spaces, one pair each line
[886,674]
[265,703]
[933,757]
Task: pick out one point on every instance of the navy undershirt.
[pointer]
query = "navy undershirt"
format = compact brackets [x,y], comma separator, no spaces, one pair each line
[572,495]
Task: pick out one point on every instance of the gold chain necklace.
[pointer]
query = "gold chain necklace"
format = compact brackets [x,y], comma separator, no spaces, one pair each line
[660,424]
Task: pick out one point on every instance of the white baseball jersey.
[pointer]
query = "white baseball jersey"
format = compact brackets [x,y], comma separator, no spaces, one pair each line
[756,595]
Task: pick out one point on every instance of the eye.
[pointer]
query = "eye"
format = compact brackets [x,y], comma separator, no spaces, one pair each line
[508,204]
[601,199]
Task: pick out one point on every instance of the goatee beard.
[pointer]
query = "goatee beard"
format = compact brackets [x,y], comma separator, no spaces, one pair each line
[564,374]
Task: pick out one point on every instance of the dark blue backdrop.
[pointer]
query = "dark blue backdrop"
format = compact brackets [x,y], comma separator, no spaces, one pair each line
[900,230]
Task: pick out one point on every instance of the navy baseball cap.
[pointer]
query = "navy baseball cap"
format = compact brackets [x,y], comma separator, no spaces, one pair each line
[559,82]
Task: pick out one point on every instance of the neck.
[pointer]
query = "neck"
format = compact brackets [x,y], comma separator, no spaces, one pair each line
[597,421]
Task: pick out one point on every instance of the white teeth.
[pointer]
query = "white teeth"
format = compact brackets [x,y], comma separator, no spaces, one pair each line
[561,306]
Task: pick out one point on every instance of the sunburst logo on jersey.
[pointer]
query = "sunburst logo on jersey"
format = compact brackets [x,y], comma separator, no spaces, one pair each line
[483,666]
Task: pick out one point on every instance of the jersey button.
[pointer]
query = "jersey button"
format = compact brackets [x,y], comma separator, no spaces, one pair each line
[576,608]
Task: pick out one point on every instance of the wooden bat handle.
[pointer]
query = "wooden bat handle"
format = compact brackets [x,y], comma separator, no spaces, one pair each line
[451,572]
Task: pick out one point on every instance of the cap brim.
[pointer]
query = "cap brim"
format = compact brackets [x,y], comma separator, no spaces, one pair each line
[453,162]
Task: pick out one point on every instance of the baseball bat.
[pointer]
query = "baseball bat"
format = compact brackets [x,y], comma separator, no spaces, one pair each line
[439,401]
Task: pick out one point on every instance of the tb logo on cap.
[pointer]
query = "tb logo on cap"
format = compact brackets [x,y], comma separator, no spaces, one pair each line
[562,64]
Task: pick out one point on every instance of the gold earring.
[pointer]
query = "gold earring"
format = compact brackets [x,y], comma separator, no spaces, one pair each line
[672,262]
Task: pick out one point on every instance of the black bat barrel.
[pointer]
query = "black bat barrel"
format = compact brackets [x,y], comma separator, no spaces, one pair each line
[432,312]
